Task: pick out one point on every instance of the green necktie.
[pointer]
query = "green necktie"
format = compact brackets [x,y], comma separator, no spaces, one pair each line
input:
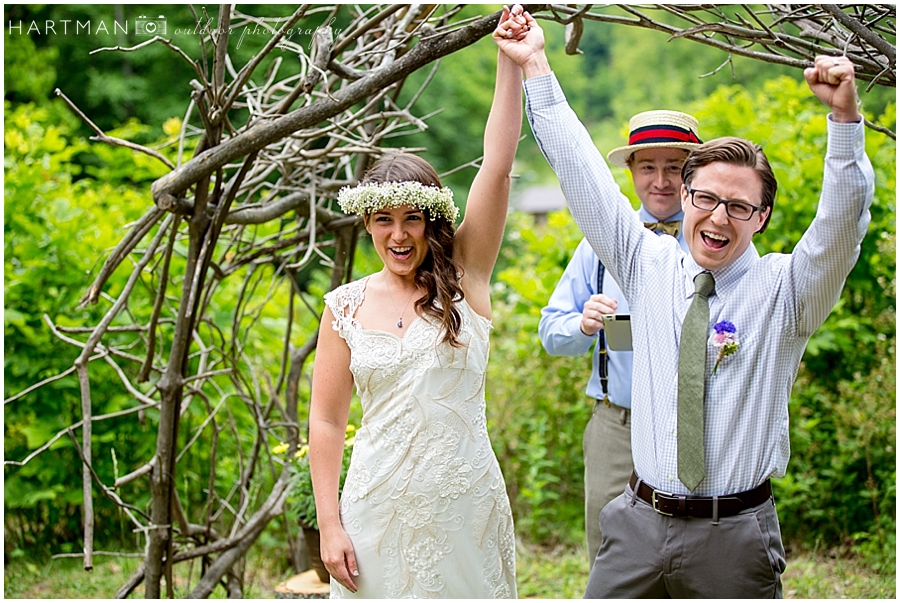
[669,228]
[692,383]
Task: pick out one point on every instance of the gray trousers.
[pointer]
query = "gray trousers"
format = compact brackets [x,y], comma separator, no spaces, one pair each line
[648,555]
[607,466]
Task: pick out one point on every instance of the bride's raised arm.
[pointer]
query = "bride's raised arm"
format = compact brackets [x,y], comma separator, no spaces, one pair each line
[479,236]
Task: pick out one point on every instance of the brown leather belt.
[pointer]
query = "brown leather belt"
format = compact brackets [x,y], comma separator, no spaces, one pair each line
[679,505]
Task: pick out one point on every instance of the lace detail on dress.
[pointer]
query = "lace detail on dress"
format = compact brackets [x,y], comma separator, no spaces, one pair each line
[424,501]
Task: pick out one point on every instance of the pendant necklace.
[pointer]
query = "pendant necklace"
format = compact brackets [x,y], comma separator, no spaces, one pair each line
[400,319]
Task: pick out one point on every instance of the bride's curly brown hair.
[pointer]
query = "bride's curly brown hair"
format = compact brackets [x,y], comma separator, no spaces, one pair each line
[438,274]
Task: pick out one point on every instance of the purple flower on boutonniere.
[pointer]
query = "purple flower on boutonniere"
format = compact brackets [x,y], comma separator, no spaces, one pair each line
[725,341]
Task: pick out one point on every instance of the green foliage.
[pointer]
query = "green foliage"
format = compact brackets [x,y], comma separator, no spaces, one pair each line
[56,219]
[536,407]
[551,573]
[57,45]
[29,73]
[66,203]
[541,573]
[301,502]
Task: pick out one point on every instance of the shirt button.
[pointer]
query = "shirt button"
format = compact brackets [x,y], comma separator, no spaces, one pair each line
[671,479]
[675,433]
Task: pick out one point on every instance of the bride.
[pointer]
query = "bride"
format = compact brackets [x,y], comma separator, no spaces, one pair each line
[424,510]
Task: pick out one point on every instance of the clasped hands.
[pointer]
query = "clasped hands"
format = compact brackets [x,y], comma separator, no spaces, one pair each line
[513,24]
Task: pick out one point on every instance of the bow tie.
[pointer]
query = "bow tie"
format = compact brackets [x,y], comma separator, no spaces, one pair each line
[669,228]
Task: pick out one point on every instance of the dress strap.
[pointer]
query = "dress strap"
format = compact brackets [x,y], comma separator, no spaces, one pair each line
[344,301]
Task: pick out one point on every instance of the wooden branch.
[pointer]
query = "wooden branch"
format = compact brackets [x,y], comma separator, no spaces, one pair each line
[112,140]
[862,31]
[98,332]
[30,389]
[220,44]
[81,365]
[144,373]
[134,580]
[161,40]
[886,131]
[260,135]
[237,85]
[244,539]
[319,57]
[86,471]
[96,554]
[75,425]
[139,472]
[347,38]
[125,246]
[108,492]
[805,17]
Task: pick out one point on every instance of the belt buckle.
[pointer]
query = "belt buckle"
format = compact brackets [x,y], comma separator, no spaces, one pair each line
[655,497]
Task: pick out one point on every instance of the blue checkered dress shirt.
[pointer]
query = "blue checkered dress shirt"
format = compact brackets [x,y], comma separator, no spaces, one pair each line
[776,302]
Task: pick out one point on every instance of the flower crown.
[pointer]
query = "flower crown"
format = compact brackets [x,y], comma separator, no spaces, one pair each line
[366,198]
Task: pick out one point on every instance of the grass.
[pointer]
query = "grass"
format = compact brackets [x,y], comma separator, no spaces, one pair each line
[837,574]
[543,573]
[66,579]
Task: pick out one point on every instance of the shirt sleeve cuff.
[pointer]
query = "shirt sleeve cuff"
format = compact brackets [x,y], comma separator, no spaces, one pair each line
[543,91]
[846,139]
[574,325]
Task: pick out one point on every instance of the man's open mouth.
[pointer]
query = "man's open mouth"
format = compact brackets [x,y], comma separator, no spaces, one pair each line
[714,240]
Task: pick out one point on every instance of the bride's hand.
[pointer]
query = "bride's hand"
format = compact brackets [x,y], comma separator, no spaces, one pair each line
[337,554]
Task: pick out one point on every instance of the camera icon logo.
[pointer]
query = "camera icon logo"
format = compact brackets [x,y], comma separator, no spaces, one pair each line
[150,27]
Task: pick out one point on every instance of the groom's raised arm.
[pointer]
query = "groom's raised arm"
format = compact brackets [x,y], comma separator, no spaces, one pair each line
[602,212]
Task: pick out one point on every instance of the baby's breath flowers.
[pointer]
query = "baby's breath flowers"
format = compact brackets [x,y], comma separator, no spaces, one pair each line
[366,198]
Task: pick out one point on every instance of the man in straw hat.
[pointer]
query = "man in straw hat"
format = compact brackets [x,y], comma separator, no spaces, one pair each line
[718,336]
[658,144]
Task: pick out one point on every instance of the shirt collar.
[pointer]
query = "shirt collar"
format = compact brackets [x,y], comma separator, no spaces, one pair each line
[726,278]
[645,216]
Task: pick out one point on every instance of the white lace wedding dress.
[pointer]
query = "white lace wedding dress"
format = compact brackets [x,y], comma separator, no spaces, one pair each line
[424,502]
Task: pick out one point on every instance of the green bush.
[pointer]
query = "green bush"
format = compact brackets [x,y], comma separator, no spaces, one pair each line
[536,405]
[58,217]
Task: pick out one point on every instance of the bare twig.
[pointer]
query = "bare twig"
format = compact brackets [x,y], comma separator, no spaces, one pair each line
[102,137]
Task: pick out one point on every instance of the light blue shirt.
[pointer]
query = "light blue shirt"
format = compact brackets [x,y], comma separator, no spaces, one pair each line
[776,302]
[560,326]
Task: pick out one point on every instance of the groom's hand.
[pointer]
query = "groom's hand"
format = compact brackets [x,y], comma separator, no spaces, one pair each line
[521,39]
[833,81]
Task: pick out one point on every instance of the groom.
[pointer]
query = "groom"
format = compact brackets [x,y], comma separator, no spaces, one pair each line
[709,403]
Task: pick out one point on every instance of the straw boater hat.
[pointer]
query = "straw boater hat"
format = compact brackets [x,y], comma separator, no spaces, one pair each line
[652,129]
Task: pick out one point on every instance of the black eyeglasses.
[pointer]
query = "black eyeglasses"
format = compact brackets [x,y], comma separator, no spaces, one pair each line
[739,210]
